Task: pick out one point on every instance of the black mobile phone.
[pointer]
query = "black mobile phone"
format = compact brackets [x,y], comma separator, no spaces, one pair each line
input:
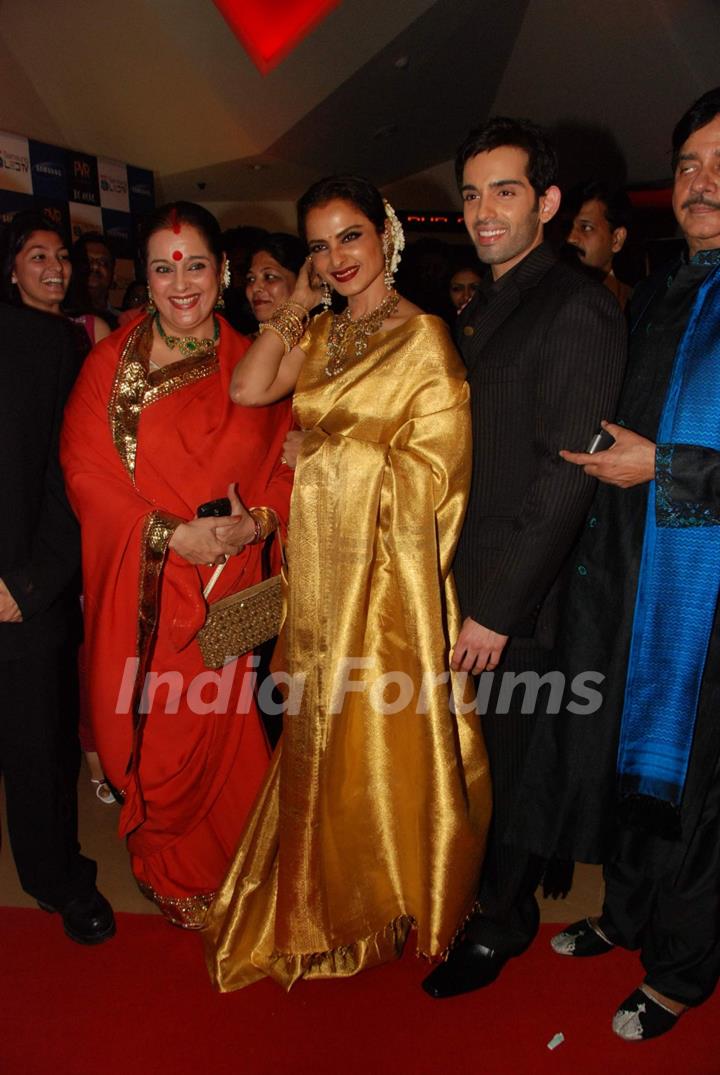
[600,442]
[218,508]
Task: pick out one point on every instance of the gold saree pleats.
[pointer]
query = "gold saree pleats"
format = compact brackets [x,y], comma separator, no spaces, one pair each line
[374,814]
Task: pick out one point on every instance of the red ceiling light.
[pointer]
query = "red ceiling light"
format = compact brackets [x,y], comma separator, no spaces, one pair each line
[270,29]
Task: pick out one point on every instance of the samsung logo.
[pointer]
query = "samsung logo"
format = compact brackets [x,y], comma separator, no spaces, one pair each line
[46,168]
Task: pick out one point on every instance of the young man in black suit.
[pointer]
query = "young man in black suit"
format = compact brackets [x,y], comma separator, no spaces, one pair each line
[39,627]
[545,350]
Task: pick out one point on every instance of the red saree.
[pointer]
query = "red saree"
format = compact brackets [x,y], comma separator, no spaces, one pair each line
[140,451]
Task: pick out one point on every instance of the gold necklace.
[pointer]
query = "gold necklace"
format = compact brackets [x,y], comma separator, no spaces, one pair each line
[348,339]
[189,346]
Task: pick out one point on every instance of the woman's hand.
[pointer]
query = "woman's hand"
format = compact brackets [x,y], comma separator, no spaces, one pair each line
[291,447]
[197,542]
[211,540]
[308,287]
[235,531]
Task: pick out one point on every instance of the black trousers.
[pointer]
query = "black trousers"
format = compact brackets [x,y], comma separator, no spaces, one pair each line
[510,874]
[39,761]
[673,918]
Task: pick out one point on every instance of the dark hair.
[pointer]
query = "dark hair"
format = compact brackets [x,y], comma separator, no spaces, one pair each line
[14,236]
[618,208]
[174,213]
[542,167]
[288,250]
[134,286]
[702,112]
[78,251]
[466,266]
[349,188]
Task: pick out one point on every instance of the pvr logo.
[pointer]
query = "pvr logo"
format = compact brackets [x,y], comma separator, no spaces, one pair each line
[81,170]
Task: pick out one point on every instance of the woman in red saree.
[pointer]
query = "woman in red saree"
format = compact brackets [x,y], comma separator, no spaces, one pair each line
[150,434]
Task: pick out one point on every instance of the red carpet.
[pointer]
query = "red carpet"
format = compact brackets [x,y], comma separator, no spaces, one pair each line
[142,1005]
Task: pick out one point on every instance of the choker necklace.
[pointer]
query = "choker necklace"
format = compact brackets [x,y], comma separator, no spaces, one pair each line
[189,346]
[348,339]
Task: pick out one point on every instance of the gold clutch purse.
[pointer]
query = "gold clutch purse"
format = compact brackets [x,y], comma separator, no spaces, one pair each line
[242,621]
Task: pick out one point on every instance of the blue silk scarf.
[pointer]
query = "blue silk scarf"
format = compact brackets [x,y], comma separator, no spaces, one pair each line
[678,584]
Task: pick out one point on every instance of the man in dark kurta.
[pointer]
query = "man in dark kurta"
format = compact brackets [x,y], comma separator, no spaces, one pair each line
[39,627]
[544,346]
[662,886]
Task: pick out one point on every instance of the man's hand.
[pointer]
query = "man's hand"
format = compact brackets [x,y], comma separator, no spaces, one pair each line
[9,611]
[292,446]
[629,461]
[478,649]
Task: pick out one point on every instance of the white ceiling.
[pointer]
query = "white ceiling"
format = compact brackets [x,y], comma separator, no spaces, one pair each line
[164,84]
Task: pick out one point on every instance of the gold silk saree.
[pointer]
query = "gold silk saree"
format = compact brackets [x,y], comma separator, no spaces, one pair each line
[373,817]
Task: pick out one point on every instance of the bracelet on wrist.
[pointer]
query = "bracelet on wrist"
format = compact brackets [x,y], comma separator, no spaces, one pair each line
[266,522]
[288,322]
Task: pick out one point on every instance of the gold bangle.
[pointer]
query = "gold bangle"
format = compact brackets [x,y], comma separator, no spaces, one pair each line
[304,312]
[287,324]
[266,522]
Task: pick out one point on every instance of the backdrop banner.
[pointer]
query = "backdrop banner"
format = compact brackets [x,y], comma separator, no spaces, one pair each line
[76,191]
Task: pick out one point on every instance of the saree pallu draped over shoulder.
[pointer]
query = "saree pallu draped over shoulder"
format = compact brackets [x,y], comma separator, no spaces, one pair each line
[141,450]
[373,817]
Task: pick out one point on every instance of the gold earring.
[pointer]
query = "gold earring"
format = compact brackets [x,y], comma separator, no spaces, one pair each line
[389,276]
[150,305]
[326,295]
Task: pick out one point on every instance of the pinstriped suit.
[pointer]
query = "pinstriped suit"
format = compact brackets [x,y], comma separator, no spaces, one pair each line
[545,351]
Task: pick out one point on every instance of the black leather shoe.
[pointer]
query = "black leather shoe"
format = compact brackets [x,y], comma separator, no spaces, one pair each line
[87,919]
[469,966]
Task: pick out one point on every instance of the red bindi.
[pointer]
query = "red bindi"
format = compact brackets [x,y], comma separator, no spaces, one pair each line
[177,256]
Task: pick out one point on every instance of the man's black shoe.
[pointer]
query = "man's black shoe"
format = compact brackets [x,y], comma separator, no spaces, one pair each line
[468,966]
[87,919]
[582,939]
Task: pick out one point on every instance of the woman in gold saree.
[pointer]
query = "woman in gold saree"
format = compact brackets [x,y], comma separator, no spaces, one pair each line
[373,817]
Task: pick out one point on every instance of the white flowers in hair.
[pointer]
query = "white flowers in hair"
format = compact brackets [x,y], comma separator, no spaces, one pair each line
[397,235]
[226,277]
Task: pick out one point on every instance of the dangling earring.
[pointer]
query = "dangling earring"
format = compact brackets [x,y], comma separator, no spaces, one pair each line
[326,296]
[224,285]
[149,305]
[388,251]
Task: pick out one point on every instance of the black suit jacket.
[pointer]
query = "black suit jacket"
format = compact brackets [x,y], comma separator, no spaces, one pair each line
[545,350]
[39,536]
